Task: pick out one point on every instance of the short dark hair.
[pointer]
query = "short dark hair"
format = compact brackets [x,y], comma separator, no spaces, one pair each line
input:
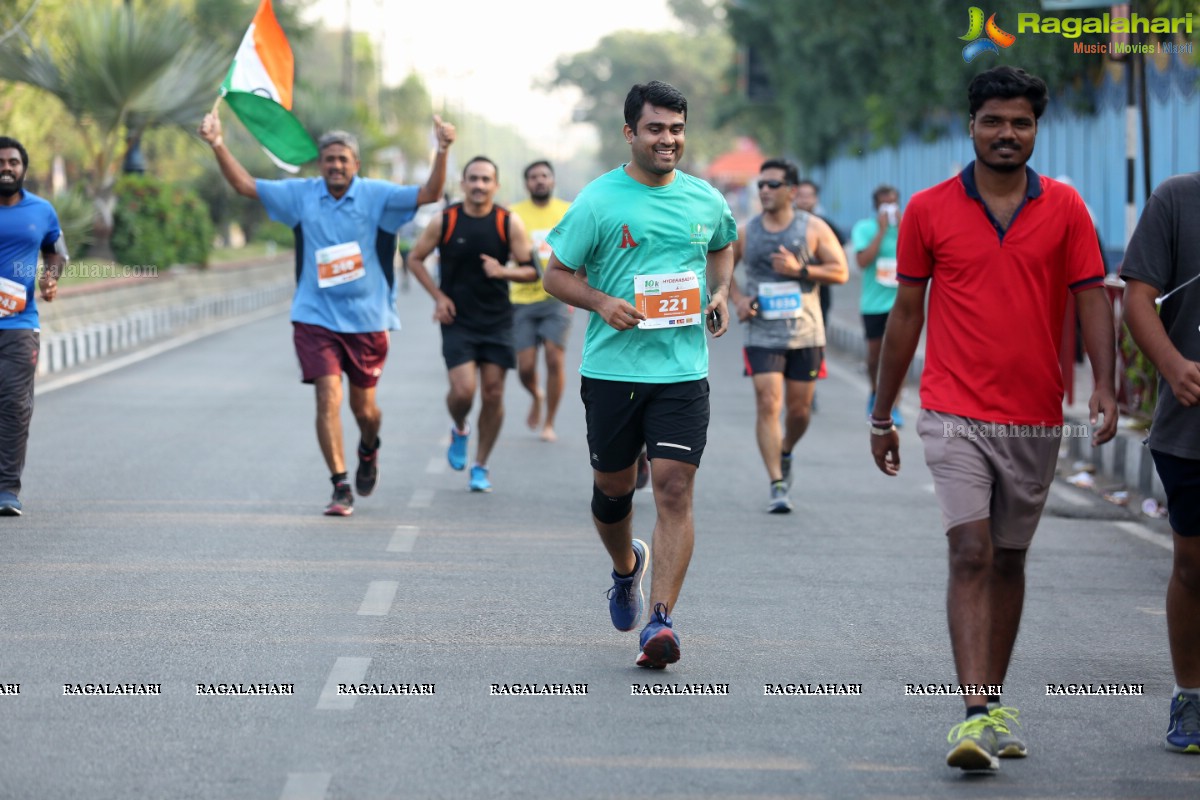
[791,173]
[479,160]
[809,182]
[1007,82]
[656,93]
[542,163]
[7,142]
[880,191]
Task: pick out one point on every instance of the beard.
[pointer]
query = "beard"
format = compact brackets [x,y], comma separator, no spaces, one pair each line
[9,189]
[1001,166]
[540,197]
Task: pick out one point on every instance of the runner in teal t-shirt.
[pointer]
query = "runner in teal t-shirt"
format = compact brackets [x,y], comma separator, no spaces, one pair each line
[874,241]
[654,244]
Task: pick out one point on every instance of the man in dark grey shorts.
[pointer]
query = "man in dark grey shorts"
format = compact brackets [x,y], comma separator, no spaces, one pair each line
[540,319]
[1162,268]
[779,301]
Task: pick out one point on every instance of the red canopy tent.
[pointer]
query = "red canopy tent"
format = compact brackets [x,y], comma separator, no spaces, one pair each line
[737,167]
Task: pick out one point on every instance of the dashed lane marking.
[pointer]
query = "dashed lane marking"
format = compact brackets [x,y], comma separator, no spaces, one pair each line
[346,669]
[306,786]
[379,598]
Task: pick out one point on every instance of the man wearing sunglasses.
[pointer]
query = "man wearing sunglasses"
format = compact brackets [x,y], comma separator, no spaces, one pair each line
[788,253]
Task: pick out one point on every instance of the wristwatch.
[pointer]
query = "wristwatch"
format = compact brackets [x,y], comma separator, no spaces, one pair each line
[804,272]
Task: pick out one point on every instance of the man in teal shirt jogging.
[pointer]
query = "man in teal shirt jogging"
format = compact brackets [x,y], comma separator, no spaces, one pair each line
[654,243]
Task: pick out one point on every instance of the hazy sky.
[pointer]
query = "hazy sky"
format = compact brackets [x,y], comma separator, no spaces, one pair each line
[485,55]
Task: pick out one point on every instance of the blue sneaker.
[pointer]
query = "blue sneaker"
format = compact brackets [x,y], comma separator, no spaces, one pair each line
[457,454]
[10,506]
[625,599]
[1183,735]
[897,417]
[660,644]
[479,479]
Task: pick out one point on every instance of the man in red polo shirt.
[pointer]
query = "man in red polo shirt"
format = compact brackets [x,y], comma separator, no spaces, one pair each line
[999,247]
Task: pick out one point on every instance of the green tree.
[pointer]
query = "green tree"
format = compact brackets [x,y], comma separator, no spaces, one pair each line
[851,76]
[695,64]
[119,71]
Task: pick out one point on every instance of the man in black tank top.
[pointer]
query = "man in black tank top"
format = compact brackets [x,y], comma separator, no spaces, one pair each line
[475,240]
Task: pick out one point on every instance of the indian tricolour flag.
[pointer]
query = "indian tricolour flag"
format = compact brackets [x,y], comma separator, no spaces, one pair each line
[259,89]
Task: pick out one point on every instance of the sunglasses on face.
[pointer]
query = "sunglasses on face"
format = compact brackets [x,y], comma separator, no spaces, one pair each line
[770,184]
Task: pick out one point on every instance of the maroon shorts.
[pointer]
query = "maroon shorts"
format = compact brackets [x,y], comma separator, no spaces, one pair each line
[324,352]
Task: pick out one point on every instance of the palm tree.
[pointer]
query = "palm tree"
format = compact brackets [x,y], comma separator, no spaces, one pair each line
[119,74]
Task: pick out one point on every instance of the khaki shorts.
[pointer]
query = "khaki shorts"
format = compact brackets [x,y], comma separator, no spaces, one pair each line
[983,470]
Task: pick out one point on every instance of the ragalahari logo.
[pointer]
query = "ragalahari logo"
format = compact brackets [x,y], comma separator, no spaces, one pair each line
[983,38]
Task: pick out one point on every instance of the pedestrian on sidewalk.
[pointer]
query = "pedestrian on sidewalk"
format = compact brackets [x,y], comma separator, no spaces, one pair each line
[475,240]
[28,227]
[656,242]
[1162,309]
[999,247]
[540,320]
[788,254]
[345,301]
[874,240]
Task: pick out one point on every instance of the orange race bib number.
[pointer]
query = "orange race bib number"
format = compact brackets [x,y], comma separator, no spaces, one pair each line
[668,301]
[12,297]
[541,247]
[339,264]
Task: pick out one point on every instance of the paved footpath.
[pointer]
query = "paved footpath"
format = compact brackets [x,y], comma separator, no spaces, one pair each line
[173,540]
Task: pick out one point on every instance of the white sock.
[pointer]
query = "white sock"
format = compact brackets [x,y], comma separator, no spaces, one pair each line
[1185,691]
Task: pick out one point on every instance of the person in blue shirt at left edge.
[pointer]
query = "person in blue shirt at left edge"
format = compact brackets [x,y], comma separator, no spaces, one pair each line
[345,301]
[28,225]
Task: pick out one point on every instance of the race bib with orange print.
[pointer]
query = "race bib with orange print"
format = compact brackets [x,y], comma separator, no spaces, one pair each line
[12,297]
[668,301]
[339,264]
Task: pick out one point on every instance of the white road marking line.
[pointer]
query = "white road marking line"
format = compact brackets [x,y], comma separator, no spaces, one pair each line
[379,598]
[421,498]
[346,669]
[306,786]
[1154,612]
[1139,531]
[437,465]
[52,384]
[1067,496]
[929,487]
[403,539]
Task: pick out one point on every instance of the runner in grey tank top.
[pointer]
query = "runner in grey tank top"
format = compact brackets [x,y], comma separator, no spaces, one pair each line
[789,309]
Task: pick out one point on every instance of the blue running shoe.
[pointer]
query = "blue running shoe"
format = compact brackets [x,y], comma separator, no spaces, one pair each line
[479,479]
[10,506]
[897,417]
[625,599]
[457,454]
[1183,735]
[660,644]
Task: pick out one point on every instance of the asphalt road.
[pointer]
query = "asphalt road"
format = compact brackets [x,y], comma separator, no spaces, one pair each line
[173,537]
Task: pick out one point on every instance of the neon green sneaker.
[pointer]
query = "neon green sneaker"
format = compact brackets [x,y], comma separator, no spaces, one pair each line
[1008,744]
[974,745]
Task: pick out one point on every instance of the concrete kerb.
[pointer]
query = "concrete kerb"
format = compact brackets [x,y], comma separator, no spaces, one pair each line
[66,349]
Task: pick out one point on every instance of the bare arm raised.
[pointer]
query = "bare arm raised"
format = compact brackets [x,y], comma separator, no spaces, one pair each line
[233,171]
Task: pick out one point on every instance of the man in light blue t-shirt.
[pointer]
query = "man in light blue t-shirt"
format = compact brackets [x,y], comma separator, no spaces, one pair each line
[874,242]
[345,301]
[655,245]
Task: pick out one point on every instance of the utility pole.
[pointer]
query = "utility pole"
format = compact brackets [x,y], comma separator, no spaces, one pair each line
[347,56]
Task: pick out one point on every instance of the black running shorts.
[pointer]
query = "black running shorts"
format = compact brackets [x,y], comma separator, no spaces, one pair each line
[669,419]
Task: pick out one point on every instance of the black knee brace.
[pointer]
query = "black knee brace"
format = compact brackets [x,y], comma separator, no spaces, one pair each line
[610,510]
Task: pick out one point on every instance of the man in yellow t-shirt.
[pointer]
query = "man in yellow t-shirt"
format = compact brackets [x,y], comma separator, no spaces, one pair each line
[538,318]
